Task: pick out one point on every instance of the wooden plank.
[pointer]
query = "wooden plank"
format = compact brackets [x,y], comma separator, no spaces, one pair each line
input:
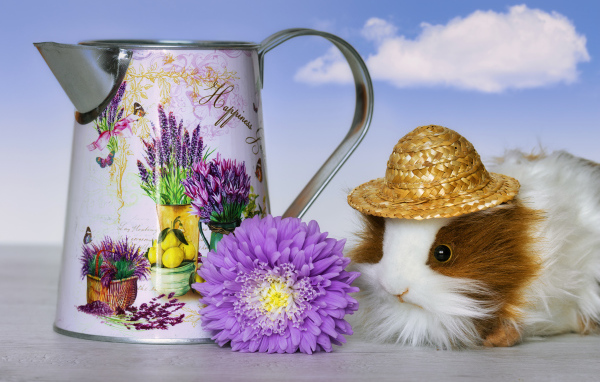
[30,350]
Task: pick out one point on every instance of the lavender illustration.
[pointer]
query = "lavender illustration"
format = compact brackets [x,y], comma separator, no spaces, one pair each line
[109,125]
[219,192]
[169,158]
[110,261]
[148,316]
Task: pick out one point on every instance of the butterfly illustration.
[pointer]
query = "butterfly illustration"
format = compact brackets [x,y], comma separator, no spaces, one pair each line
[255,107]
[138,110]
[258,172]
[106,162]
[88,236]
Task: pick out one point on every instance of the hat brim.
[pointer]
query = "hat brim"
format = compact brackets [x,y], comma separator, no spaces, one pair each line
[368,199]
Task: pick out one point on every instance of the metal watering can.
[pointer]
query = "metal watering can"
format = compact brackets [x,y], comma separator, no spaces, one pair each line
[167,158]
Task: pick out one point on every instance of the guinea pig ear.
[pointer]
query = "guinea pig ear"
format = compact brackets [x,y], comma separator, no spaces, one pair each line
[369,248]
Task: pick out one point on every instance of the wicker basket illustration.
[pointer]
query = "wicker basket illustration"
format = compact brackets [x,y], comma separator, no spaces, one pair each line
[119,294]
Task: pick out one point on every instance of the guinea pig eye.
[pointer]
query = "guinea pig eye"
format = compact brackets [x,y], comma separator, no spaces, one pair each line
[442,253]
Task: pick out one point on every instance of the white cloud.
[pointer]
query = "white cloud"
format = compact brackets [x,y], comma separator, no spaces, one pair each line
[331,67]
[378,30]
[485,51]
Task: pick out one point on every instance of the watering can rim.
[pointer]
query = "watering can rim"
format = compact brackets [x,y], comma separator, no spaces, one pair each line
[150,44]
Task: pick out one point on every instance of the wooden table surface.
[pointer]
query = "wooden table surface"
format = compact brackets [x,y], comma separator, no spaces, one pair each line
[31,351]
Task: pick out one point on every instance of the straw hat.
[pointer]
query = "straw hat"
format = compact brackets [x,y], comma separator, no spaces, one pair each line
[433,172]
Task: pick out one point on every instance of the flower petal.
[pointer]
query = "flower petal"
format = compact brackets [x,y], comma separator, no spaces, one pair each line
[276,285]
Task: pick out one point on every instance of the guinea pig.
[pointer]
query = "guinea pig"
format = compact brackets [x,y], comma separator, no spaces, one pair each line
[526,266]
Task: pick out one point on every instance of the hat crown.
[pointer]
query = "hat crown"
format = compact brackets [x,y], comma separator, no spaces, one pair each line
[432,162]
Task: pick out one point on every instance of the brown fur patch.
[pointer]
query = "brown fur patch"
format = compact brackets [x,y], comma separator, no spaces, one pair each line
[504,335]
[494,247]
[370,245]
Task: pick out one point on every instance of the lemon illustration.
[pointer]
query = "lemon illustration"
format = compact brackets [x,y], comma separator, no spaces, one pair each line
[172,257]
[170,241]
[189,251]
[152,255]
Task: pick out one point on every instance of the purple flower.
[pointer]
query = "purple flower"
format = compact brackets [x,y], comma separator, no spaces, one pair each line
[148,316]
[150,153]
[172,124]
[161,157]
[165,134]
[143,171]
[194,144]
[110,112]
[96,308]
[178,159]
[219,190]
[169,159]
[154,315]
[179,130]
[278,286]
[120,92]
[111,260]
[185,149]
[199,147]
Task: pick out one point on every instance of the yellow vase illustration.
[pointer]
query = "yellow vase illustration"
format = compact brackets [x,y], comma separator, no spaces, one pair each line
[174,254]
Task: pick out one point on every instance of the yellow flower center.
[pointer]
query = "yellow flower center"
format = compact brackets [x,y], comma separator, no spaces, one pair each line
[275,297]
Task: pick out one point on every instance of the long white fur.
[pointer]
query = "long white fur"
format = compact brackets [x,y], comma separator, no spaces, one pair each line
[436,310]
[567,188]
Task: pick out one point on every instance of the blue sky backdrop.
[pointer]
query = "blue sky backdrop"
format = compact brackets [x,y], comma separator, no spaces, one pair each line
[503,74]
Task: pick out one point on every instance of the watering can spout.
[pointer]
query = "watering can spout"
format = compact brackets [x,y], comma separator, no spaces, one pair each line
[90,75]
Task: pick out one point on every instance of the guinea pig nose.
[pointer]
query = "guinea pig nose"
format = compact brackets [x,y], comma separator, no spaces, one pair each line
[399,296]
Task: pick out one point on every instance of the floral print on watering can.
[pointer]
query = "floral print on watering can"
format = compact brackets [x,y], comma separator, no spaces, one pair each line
[169,162]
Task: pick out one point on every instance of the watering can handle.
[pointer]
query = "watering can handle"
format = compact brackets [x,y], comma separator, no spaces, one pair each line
[360,124]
